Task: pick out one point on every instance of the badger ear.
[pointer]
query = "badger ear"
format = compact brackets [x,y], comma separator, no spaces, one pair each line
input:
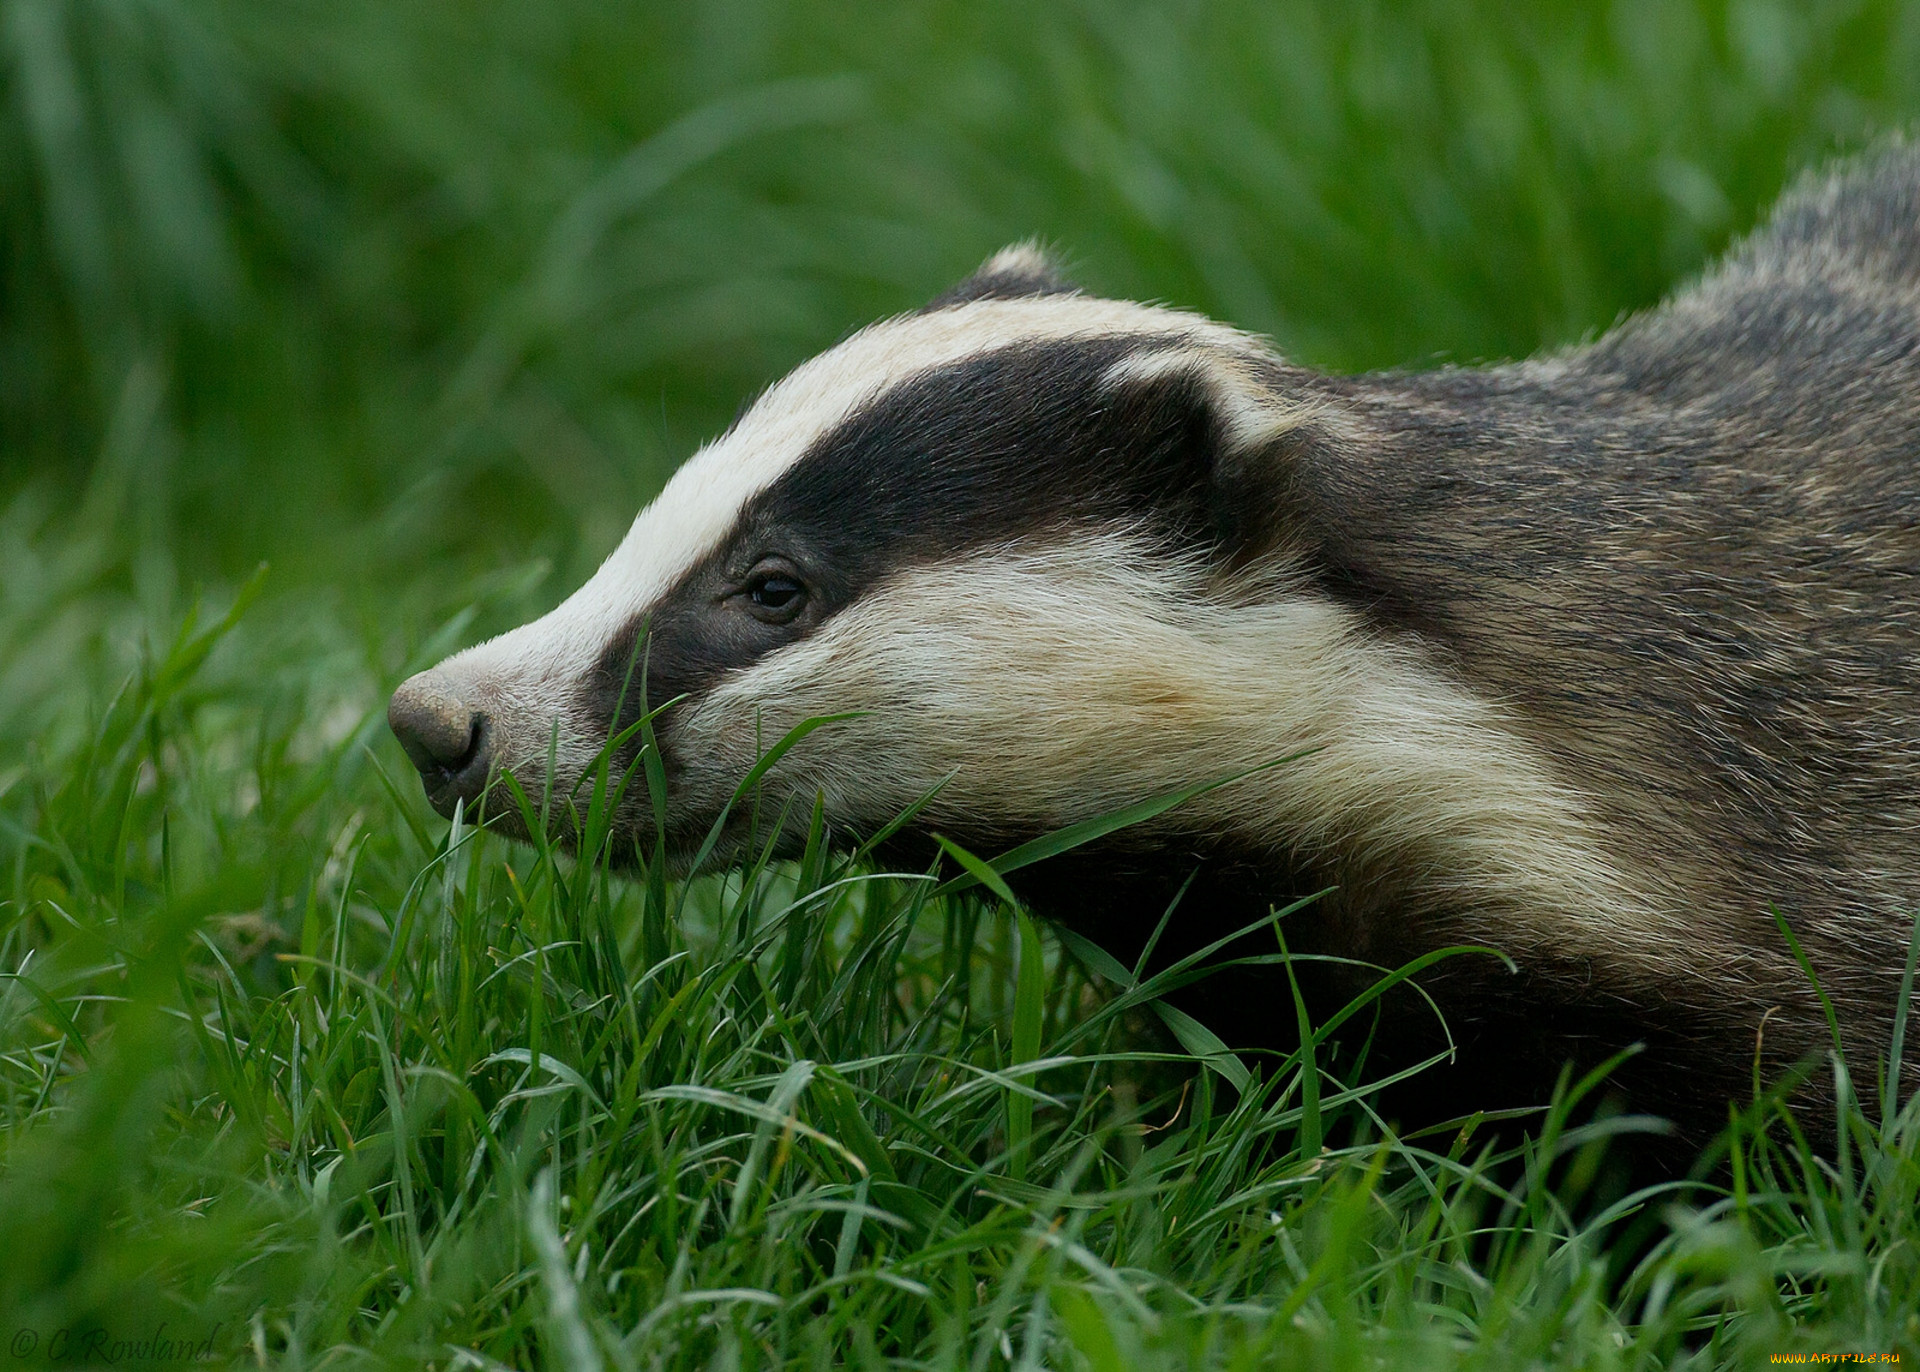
[1010,274]
[1233,427]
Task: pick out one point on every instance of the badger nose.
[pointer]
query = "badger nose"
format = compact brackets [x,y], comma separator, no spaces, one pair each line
[445,738]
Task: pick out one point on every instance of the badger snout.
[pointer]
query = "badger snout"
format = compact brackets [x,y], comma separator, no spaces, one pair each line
[446,739]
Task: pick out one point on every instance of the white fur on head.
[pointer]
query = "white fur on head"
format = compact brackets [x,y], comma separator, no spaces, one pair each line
[1019,259]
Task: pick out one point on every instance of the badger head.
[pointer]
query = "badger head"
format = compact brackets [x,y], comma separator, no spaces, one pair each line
[1007,541]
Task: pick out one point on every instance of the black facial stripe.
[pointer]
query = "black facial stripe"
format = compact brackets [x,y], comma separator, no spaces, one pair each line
[1020,441]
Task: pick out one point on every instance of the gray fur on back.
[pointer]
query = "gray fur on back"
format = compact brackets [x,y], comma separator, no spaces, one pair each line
[1687,558]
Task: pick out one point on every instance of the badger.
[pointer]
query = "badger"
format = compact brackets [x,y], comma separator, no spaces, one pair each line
[1605,660]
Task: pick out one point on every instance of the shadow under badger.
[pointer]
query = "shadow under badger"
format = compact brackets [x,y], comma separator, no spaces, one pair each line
[1596,658]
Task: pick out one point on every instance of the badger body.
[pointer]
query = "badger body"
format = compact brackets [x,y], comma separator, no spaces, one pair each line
[1600,659]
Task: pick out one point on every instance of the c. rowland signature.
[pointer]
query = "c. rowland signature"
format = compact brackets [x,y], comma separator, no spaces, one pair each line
[98,1345]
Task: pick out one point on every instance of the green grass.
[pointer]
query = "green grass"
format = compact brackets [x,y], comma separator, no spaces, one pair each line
[415,304]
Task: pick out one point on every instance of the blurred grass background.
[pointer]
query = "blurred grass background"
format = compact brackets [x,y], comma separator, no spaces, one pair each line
[379,287]
[416,303]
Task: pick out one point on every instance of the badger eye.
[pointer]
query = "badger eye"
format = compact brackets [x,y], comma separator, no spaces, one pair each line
[776,596]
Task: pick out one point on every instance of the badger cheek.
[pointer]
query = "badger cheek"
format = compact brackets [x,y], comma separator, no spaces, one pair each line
[914,711]
[716,740]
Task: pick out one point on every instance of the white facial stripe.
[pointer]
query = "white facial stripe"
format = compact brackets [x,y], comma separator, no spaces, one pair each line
[700,504]
[1043,686]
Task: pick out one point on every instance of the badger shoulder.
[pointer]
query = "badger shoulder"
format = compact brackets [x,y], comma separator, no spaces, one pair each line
[1685,563]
